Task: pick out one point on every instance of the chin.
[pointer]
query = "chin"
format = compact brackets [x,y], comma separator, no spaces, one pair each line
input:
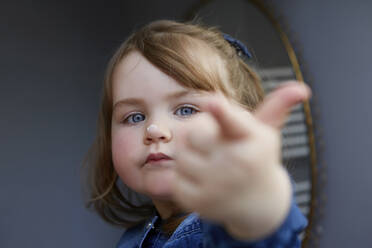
[158,186]
[159,192]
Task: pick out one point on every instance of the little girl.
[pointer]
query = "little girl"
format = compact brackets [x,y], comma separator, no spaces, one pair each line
[184,123]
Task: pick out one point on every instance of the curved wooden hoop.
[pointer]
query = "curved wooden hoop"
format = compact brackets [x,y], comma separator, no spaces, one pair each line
[268,12]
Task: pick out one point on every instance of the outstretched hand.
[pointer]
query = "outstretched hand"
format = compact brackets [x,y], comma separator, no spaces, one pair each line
[230,171]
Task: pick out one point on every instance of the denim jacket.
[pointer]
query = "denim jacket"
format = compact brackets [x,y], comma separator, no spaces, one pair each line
[195,232]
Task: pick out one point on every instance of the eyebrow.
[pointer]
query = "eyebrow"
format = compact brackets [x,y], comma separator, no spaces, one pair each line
[139,101]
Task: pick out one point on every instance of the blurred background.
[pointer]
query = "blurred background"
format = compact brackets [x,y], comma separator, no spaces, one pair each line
[52,60]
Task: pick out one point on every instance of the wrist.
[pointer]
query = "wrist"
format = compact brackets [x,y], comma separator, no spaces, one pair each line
[260,216]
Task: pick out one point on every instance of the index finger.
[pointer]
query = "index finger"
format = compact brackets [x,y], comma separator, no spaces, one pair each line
[234,122]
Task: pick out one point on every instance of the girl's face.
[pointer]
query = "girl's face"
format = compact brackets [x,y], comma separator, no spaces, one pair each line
[152,112]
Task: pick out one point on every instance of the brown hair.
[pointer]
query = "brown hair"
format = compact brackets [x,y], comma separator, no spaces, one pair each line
[197,57]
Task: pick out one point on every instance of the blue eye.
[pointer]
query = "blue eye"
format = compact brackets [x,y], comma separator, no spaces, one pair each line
[135,118]
[186,111]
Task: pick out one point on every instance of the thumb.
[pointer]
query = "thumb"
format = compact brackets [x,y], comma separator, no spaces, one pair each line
[276,106]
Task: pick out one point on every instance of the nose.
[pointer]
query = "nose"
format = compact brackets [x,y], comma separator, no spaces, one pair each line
[155,133]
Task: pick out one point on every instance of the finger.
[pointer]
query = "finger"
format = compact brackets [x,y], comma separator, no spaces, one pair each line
[278,104]
[198,139]
[233,123]
[201,143]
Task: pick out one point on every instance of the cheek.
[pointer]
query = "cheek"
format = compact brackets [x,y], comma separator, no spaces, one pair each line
[126,154]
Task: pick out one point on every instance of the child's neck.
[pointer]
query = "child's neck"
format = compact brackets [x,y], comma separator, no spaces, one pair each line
[167,209]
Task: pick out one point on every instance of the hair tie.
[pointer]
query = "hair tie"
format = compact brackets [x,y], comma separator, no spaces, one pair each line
[238,45]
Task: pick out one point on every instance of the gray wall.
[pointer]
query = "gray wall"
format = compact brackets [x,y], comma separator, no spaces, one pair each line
[336,37]
[52,58]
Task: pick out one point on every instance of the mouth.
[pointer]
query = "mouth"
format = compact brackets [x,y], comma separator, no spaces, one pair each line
[157,158]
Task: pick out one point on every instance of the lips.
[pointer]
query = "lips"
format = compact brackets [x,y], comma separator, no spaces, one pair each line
[155,157]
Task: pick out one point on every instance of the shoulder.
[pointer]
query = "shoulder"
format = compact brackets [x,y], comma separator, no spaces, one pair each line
[188,232]
[132,236]
[203,233]
[189,226]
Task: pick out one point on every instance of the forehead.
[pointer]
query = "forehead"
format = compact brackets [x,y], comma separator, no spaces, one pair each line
[135,76]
